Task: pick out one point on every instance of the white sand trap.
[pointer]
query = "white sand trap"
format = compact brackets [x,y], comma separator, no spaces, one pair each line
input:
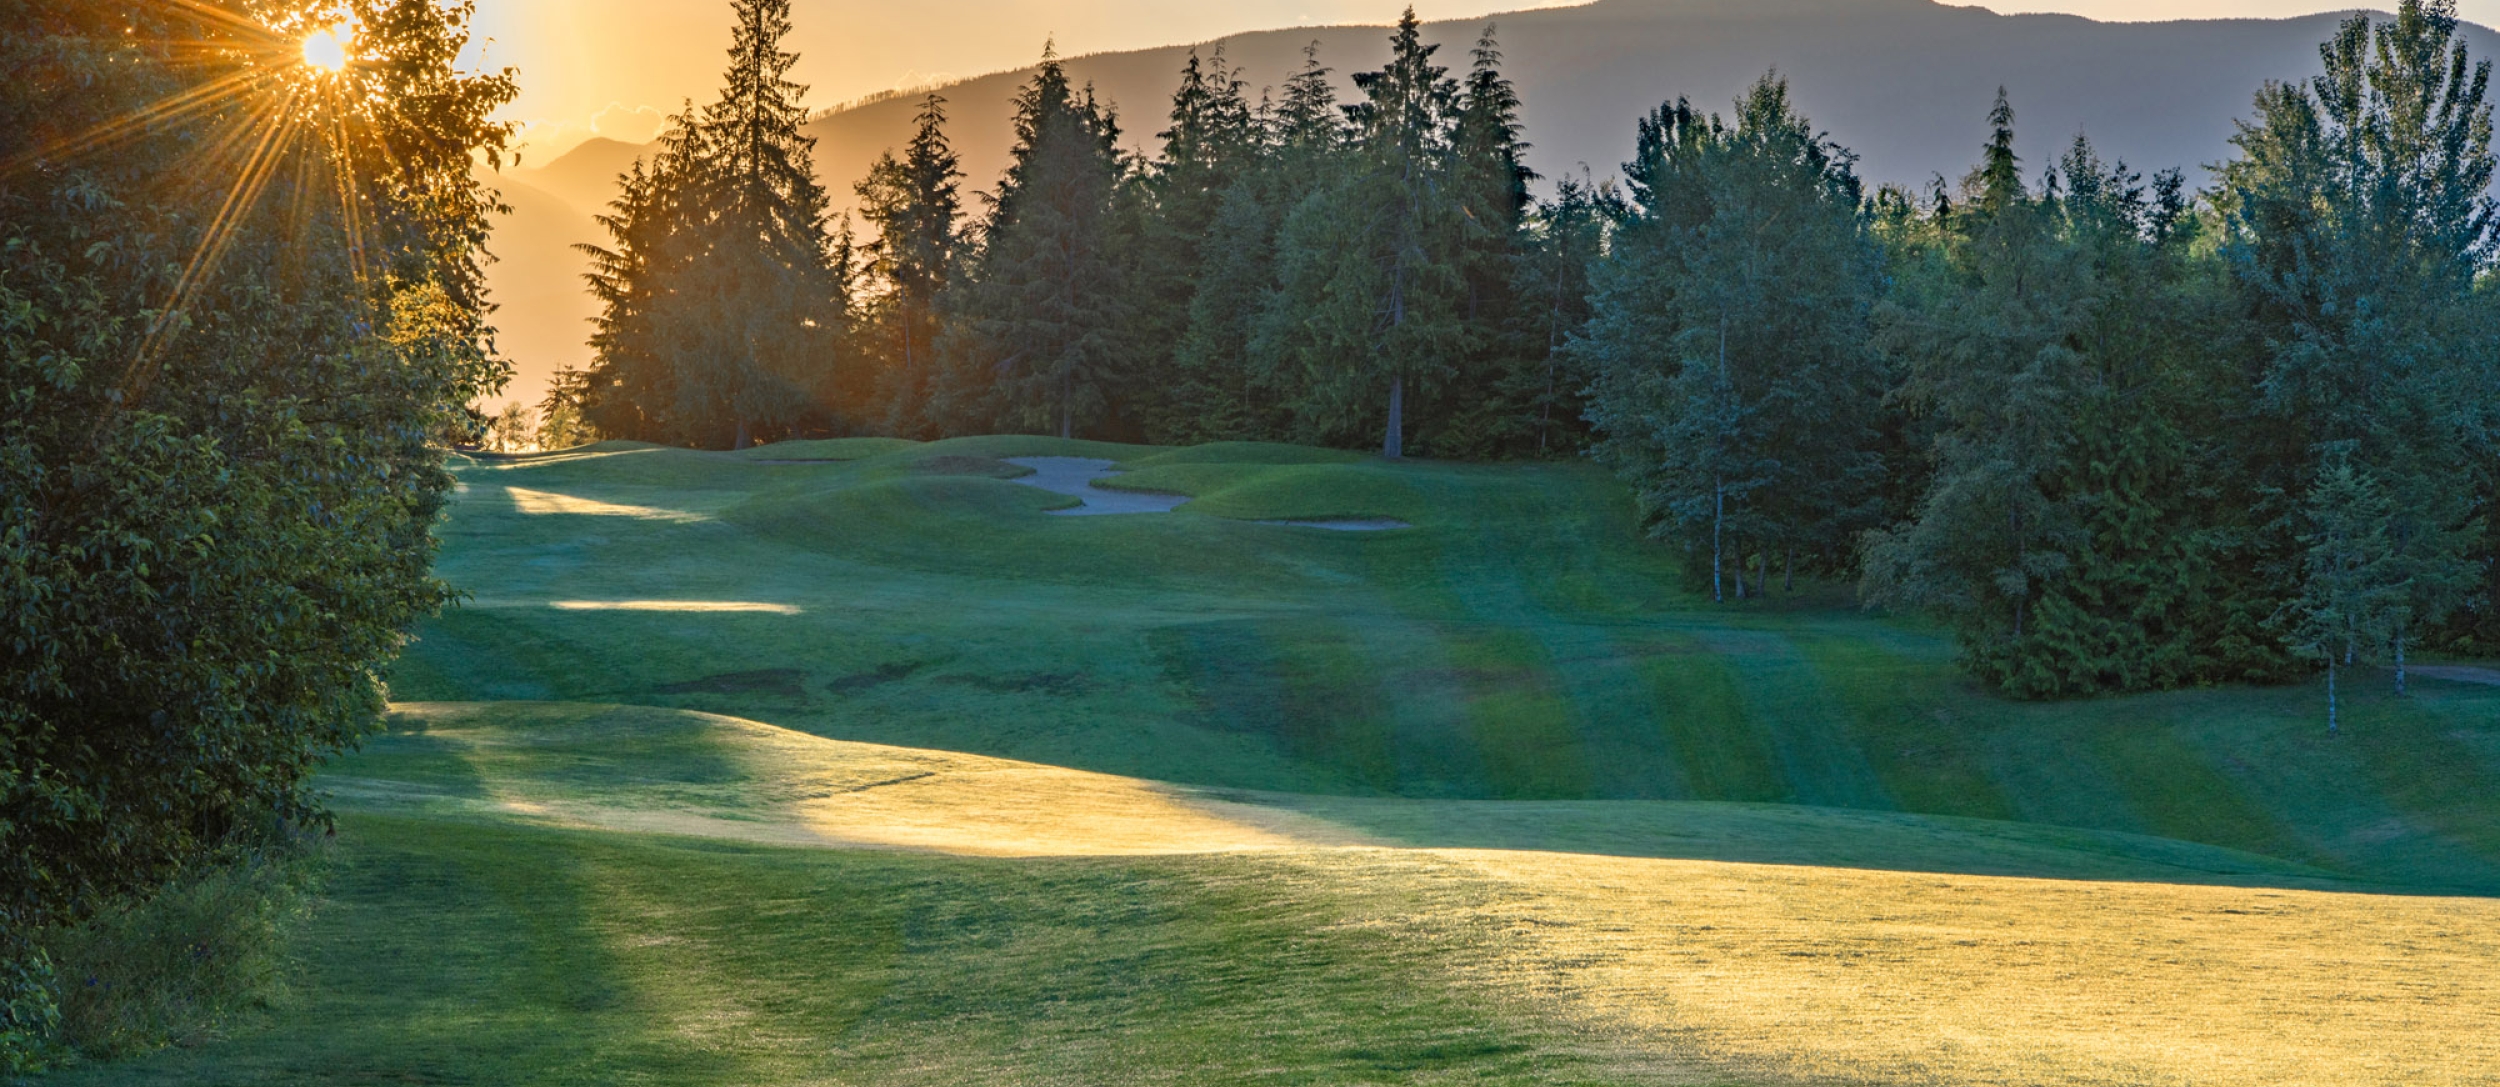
[1075,476]
[1356,524]
[540,503]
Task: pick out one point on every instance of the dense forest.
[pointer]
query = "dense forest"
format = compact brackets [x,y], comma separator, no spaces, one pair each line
[2119,434]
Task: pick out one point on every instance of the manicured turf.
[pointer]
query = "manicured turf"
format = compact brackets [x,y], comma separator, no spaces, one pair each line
[1519,643]
[844,762]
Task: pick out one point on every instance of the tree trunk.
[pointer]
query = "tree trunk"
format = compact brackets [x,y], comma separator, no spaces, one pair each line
[2331,723]
[1393,443]
[1741,559]
[743,440]
[1788,570]
[2400,663]
[1067,410]
[1718,547]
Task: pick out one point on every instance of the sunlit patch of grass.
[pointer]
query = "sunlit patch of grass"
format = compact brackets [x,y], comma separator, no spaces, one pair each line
[673,772]
[1825,975]
[540,503]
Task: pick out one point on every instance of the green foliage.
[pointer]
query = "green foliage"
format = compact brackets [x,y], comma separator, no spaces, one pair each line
[725,302]
[179,965]
[2359,218]
[1368,305]
[1730,375]
[220,458]
[1041,317]
[914,203]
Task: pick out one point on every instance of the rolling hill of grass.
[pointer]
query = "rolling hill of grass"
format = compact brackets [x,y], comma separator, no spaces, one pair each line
[1519,643]
[848,762]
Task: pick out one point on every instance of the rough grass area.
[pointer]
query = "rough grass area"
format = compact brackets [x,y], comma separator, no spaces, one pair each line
[183,966]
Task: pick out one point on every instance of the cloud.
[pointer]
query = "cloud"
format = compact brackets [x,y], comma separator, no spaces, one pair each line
[632,124]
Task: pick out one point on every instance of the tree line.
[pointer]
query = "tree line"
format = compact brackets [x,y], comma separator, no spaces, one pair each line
[2118,433]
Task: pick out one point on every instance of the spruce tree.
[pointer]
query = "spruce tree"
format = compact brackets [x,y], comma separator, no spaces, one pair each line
[2360,216]
[1224,388]
[641,339]
[915,205]
[765,265]
[1990,367]
[1212,146]
[1044,313]
[724,299]
[1730,376]
[1566,238]
[1368,306]
[1490,178]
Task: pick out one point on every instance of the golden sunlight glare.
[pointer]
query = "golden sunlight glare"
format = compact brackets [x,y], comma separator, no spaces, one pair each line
[326,49]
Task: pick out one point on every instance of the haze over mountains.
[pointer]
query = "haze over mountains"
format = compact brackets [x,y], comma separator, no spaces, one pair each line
[1905,83]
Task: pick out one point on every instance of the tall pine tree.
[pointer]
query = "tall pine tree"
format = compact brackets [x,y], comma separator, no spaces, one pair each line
[1043,317]
[915,205]
[1368,309]
[1731,378]
[726,300]
[2360,216]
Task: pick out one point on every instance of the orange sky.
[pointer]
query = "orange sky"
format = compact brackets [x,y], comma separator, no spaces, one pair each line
[611,67]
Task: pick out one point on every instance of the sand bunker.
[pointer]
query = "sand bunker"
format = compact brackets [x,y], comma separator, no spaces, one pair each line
[1352,524]
[1075,476]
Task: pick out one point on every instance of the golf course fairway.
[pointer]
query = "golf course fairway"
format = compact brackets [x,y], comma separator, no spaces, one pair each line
[848,763]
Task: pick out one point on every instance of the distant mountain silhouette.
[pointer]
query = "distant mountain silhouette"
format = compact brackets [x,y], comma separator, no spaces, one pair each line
[586,175]
[1905,83]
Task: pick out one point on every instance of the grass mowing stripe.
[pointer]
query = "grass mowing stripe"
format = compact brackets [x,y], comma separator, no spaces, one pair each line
[1819,761]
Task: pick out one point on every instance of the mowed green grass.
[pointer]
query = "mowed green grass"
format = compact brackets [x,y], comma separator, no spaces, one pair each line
[846,762]
[1520,642]
[482,926]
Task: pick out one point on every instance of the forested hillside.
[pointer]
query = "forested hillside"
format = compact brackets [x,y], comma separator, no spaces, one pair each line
[1897,80]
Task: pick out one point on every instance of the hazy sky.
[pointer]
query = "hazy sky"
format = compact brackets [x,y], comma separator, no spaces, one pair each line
[610,67]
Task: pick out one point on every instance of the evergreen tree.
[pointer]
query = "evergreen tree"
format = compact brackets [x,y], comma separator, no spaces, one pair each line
[1489,177]
[1224,389]
[915,205]
[764,267]
[724,299]
[1990,366]
[640,341]
[1731,380]
[1212,147]
[1369,291]
[2360,216]
[1043,316]
[2352,593]
[1566,238]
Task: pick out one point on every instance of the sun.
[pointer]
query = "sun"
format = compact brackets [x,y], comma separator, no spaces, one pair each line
[326,50]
